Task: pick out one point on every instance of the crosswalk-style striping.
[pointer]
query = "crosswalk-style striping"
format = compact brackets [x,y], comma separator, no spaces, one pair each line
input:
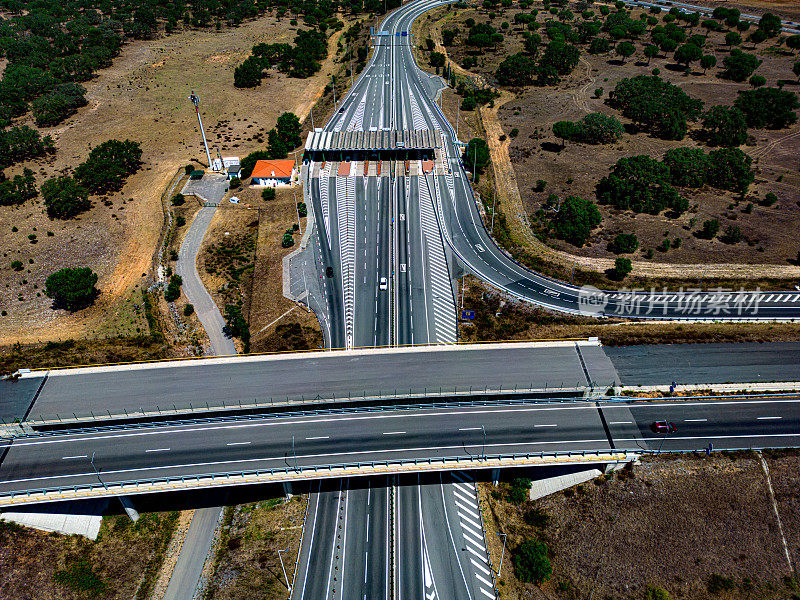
[466,500]
[444,309]
[416,115]
[357,122]
[346,219]
[324,180]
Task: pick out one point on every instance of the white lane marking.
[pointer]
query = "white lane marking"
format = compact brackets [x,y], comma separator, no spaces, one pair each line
[472,537]
[469,519]
[469,428]
[158,450]
[620,422]
[695,420]
[473,552]
[463,506]
[464,498]
[547,425]
[71,457]
[768,418]
[479,566]
[319,437]
[487,594]
[479,577]
[393,432]
[238,444]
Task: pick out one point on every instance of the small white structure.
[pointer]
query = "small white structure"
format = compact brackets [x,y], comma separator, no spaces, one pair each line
[232,166]
[273,173]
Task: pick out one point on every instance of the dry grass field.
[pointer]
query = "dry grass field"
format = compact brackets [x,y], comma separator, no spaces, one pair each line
[143,97]
[575,170]
[699,528]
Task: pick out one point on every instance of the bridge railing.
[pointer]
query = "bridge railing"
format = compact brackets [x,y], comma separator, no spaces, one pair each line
[176,483]
[562,391]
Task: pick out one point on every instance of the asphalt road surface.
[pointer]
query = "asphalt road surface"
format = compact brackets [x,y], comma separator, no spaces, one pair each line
[706,363]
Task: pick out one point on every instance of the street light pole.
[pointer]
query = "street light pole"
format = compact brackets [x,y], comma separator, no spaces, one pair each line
[502,554]
[288,586]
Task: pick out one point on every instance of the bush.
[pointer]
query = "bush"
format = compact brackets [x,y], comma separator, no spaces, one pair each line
[514,132]
[517,495]
[625,243]
[739,65]
[236,325]
[268,194]
[732,235]
[622,267]
[710,229]
[640,184]
[173,291]
[655,593]
[188,169]
[16,265]
[180,221]
[575,220]
[288,240]
[188,310]
[757,81]
[64,197]
[72,288]
[235,182]
[718,583]
[531,563]
[769,199]
[536,517]
[302,209]
[109,165]
[18,189]
[178,199]
[79,577]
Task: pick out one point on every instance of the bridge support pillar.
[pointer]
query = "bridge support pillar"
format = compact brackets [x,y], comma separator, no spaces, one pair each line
[131,511]
[495,476]
[287,489]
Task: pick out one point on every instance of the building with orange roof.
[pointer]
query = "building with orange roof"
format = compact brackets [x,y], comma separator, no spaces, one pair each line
[273,173]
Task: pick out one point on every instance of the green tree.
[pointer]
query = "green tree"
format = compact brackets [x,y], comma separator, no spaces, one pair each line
[109,165]
[729,169]
[687,166]
[289,130]
[21,143]
[531,563]
[725,126]
[64,197]
[733,39]
[575,220]
[622,267]
[687,54]
[72,288]
[768,107]
[173,291]
[597,128]
[476,155]
[732,235]
[18,189]
[770,24]
[248,74]
[565,130]
[640,184]
[599,46]
[739,65]
[625,243]
[708,61]
[758,81]
[516,70]
[625,50]
[650,51]
[58,104]
[560,57]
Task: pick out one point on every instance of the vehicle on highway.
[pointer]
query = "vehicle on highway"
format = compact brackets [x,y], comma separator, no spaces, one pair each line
[384,285]
[329,272]
[663,427]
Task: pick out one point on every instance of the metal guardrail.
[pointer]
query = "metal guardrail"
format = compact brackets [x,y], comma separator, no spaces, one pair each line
[159,412]
[280,475]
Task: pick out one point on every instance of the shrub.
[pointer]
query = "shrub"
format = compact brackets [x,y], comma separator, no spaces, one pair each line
[72,288]
[180,221]
[79,577]
[655,593]
[173,255]
[514,132]
[268,194]
[235,182]
[196,174]
[188,310]
[732,235]
[16,265]
[540,185]
[536,517]
[769,199]
[173,291]
[18,189]
[531,563]
[476,155]
[597,128]
[302,209]
[64,197]
[739,65]
[188,169]
[288,240]
[625,243]
[109,165]
[575,220]
[710,229]
[517,495]
[718,583]
[757,81]
[622,266]
[178,199]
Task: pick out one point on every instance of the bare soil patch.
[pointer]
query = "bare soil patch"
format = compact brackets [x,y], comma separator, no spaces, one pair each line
[247,563]
[143,96]
[123,560]
[695,527]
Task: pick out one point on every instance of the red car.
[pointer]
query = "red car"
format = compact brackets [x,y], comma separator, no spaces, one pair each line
[663,427]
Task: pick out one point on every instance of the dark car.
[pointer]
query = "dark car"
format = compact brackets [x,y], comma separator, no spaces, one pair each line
[329,272]
[663,427]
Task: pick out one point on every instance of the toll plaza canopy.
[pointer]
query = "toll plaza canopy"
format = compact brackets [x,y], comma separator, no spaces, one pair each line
[375,141]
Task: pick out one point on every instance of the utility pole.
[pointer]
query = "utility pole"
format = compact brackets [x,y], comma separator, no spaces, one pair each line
[312,118]
[196,101]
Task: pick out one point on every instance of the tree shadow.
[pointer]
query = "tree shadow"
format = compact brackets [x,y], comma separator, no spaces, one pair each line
[551,147]
[616,62]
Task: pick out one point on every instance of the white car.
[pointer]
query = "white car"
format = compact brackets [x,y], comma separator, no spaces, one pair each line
[383,285]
